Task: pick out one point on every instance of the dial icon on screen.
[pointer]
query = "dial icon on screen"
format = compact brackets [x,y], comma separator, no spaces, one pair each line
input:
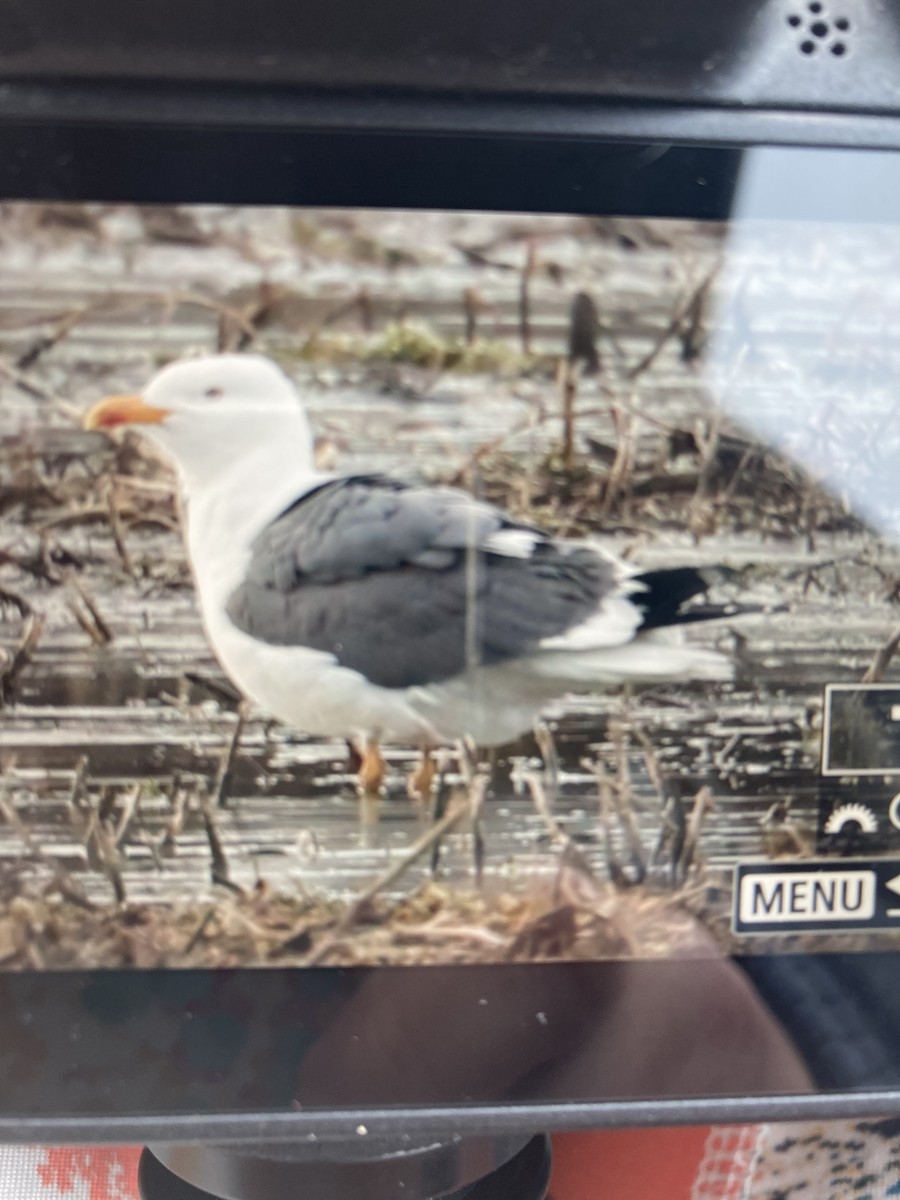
[853,814]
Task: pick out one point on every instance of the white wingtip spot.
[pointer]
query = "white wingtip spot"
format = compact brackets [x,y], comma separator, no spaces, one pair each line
[512,543]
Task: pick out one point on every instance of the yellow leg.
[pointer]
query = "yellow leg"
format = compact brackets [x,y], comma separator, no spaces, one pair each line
[372,770]
[420,784]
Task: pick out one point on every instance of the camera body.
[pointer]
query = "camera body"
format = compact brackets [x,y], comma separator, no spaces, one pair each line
[767,115]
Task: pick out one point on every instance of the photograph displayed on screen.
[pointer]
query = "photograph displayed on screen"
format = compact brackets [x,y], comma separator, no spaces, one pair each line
[384,588]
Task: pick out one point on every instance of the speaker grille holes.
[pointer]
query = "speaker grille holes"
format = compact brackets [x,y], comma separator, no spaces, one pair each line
[814,28]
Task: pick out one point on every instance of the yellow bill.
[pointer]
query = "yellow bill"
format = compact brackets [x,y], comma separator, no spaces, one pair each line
[123,410]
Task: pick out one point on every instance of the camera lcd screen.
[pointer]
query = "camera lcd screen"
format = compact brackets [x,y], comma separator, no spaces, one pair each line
[444,588]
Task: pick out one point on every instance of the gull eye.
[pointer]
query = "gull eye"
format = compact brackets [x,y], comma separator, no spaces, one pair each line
[214,393]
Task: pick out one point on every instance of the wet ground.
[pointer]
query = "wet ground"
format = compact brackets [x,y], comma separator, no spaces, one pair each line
[427,345]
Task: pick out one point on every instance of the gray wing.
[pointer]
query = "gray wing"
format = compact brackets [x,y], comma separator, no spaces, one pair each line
[404,583]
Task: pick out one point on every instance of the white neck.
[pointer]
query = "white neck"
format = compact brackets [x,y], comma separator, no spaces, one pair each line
[232,488]
[275,440]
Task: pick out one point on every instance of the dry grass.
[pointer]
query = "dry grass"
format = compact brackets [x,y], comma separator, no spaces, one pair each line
[436,924]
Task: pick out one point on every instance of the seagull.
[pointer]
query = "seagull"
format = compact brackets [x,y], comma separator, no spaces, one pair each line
[374,609]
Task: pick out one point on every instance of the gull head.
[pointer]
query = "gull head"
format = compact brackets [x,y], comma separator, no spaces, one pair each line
[206,413]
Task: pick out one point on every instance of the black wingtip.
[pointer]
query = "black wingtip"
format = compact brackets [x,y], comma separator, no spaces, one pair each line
[667,594]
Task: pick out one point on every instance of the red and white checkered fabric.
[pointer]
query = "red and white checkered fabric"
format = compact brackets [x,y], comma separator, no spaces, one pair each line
[836,1160]
[69,1172]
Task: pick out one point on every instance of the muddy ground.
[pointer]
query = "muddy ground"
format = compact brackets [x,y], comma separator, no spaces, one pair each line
[441,346]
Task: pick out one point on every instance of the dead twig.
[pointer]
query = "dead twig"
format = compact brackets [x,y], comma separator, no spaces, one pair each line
[360,302]
[219,798]
[693,333]
[584,329]
[91,620]
[219,689]
[109,859]
[683,315]
[535,785]
[128,808]
[99,842]
[117,528]
[475,784]
[551,935]
[77,798]
[456,810]
[202,926]
[236,335]
[175,822]
[703,803]
[62,329]
[59,882]
[479,257]
[10,599]
[220,872]
[543,735]
[620,473]
[476,793]
[784,835]
[568,383]
[24,384]
[224,311]
[12,667]
[673,823]
[621,795]
[672,834]
[571,856]
[874,673]
[525,279]
[650,759]
[441,798]
[605,789]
